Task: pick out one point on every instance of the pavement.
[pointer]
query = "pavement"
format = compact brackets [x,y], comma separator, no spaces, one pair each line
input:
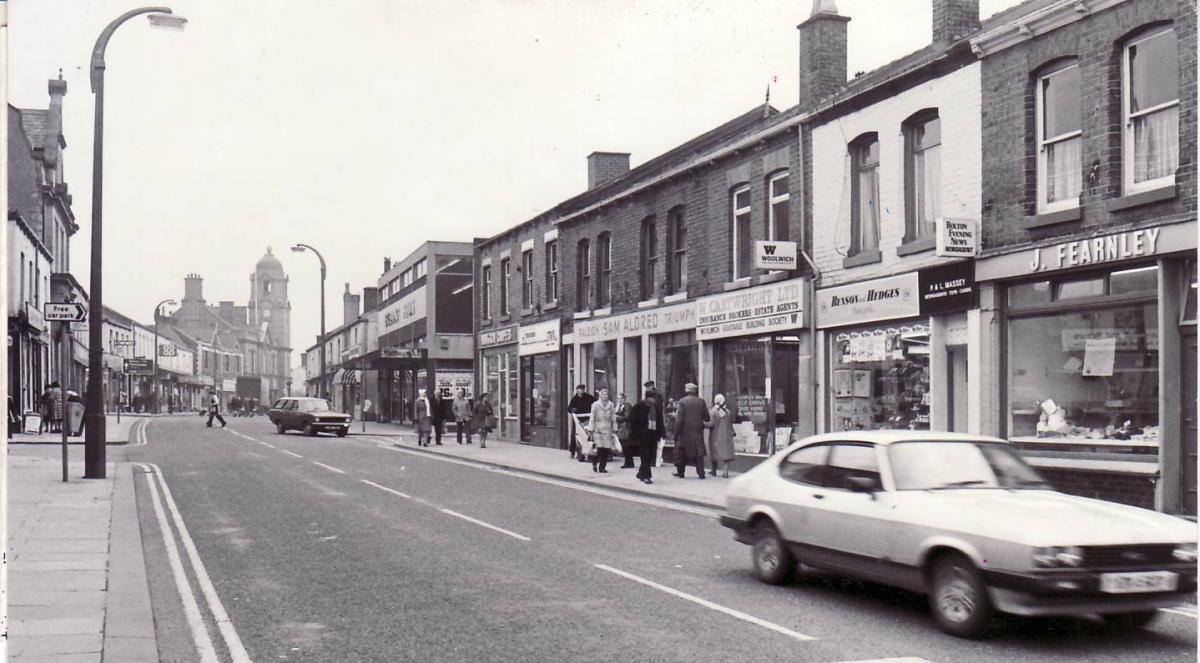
[116,432]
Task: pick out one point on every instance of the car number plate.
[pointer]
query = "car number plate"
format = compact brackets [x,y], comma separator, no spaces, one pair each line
[1131,583]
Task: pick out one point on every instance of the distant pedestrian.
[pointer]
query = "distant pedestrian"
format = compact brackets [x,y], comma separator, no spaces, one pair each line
[422,418]
[214,409]
[580,404]
[437,405]
[628,448]
[46,408]
[602,430]
[14,416]
[720,440]
[462,415]
[483,418]
[646,429]
[691,418]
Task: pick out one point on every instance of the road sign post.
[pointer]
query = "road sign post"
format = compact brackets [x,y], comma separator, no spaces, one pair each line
[64,333]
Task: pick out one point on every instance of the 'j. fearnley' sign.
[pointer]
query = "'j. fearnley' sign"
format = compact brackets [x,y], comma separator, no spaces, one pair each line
[1096,250]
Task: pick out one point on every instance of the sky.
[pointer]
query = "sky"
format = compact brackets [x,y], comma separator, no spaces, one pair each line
[365,127]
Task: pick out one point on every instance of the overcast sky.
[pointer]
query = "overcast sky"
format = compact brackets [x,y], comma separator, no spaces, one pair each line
[365,127]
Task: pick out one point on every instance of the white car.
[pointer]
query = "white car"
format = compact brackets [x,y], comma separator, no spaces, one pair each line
[963,519]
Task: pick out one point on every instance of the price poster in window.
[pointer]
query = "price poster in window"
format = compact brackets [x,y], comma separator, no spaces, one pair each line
[1098,356]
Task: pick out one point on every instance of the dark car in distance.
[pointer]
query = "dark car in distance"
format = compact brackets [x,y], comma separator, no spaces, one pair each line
[310,415]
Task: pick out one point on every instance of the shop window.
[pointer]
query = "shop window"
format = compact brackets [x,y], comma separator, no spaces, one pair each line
[1060,175]
[1150,105]
[604,270]
[675,364]
[922,174]
[526,279]
[485,299]
[1029,294]
[778,199]
[805,465]
[544,396]
[649,262]
[881,378]
[583,275]
[743,254]
[740,375]
[677,273]
[1079,288]
[1142,280]
[552,270]
[864,208]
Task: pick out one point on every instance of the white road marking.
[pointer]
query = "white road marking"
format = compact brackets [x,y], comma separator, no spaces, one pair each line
[737,614]
[385,488]
[483,524]
[290,453]
[191,610]
[140,435]
[329,467]
[233,642]
[903,659]
[266,444]
[1189,611]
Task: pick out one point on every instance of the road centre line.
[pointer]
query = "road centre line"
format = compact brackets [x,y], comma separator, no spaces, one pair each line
[329,467]
[903,659]
[191,610]
[291,453]
[483,524]
[233,643]
[386,489]
[737,614]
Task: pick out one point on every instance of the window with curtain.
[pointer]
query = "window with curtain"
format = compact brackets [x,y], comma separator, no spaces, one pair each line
[1060,173]
[485,299]
[552,270]
[864,212]
[583,275]
[505,269]
[649,249]
[777,206]
[527,278]
[1151,109]
[604,270]
[743,254]
[677,281]
[923,174]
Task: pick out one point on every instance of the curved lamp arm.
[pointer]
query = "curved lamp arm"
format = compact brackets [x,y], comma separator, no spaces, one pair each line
[106,34]
[300,247]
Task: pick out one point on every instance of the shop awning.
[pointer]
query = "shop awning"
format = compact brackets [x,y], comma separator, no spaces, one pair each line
[347,376]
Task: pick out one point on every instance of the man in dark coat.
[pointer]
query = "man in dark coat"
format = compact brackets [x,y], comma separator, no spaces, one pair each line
[437,405]
[646,429]
[580,403]
[691,419]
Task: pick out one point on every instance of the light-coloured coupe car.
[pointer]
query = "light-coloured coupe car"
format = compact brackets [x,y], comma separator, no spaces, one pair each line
[963,519]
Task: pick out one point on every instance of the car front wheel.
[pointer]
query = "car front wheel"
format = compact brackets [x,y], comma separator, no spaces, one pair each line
[279,428]
[309,430]
[342,432]
[773,562]
[959,599]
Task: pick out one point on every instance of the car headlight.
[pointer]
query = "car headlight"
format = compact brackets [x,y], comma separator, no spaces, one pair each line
[1053,556]
[1185,552]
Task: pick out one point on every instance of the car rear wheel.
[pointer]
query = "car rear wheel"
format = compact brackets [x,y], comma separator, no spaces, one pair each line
[1129,621]
[280,428]
[773,562]
[959,599]
[309,430]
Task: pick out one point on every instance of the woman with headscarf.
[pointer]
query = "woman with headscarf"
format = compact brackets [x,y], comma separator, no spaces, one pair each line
[483,418]
[628,448]
[720,439]
[602,430]
[423,418]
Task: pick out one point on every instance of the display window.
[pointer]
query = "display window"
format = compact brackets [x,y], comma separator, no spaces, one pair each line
[880,377]
[601,357]
[741,376]
[544,393]
[675,362]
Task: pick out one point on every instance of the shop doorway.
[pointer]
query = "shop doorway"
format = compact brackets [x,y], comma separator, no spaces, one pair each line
[1189,419]
[957,389]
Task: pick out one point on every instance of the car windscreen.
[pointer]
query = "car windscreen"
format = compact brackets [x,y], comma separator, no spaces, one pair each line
[932,465]
[314,405]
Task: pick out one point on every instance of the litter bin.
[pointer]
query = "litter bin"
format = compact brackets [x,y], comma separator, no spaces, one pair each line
[75,418]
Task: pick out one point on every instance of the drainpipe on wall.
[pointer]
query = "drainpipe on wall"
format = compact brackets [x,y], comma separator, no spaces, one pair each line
[811,304]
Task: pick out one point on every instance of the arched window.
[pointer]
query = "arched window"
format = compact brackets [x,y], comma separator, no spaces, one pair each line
[648,271]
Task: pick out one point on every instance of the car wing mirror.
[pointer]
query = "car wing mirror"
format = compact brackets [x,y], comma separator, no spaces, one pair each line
[862,485]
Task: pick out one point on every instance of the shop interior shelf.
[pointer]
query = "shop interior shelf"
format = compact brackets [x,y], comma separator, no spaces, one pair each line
[1085,442]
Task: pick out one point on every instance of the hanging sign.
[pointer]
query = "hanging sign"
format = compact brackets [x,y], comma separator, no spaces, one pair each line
[957,238]
[774,255]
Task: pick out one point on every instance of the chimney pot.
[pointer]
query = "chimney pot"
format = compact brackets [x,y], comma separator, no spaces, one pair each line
[953,20]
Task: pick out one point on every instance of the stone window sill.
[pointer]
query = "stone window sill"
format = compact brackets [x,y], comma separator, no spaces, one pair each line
[648,303]
[505,318]
[602,311]
[863,258]
[550,306]
[1142,198]
[1052,218]
[737,284]
[915,246]
[486,322]
[677,297]
[526,312]
[581,315]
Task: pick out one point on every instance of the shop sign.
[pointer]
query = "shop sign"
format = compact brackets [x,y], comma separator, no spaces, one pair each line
[652,321]
[138,366]
[449,382]
[1096,250]
[228,385]
[880,299]
[947,288]
[539,338]
[408,310]
[34,317]
[393,352]
[957,238]
[775,255]
[497,337]
[761,310]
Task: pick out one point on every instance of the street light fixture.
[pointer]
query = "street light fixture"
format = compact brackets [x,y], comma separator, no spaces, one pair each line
[157,398]
[94,434]
[301,248]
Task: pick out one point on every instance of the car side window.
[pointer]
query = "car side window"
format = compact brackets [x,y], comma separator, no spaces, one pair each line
[848,461]
[289,405]
[279,404]
[806,465]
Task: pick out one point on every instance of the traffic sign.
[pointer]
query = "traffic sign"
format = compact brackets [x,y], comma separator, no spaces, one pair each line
[139,366]
[122,342]
[65,312]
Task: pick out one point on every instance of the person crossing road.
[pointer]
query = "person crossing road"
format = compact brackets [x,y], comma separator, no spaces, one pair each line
[214,410]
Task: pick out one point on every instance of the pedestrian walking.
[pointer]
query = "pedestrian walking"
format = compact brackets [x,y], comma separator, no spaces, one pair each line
[438,405]
[580,403]
[422,418]
[214,409]
[628,448]
[602,431]
[720,438]
[691,418]
[462,415]
[483,418]
[46,408]
[646,429]
[14,417]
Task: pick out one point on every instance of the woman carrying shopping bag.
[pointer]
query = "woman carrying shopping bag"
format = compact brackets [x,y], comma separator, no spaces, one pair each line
[602,431]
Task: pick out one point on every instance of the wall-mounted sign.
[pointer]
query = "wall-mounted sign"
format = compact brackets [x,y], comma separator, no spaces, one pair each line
[139,366]
[957,238]
[539,338]
[34,317]
[879,299]
[392,352]
[65,312]
[450,382]
[166,351]
[947,288]
[651,321]
[775,255]
[505,336]
[404,312]
[1130,245]
[760,310]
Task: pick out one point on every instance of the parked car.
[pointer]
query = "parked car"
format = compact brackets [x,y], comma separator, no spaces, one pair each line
[962,519]
[311,415]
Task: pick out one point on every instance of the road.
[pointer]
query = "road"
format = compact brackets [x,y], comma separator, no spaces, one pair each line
[327,549]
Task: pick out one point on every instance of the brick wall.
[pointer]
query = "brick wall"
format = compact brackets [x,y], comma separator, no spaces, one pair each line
[1008,120]
[511,241]
[1135,490]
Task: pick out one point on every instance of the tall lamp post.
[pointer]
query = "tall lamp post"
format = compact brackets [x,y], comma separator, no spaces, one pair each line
[157,397]
[94,435]
[301,248]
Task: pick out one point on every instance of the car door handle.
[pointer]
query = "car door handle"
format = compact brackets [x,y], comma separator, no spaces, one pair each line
[818,496]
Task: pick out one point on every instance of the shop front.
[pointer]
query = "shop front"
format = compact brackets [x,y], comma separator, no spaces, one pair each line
[1097,334]
[542,395]
[622,352]
[400,372]
[498,377]
[750,348]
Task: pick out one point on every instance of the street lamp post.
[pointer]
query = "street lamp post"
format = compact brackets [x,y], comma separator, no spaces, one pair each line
[94,436]
[157,397]
[301,248]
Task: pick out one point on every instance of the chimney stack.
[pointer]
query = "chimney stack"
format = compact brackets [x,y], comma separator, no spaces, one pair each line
[193,288]
[604,167]
[953,20]
[370,298]
[822,53]
[387,265]
[58,89]
[349,306]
